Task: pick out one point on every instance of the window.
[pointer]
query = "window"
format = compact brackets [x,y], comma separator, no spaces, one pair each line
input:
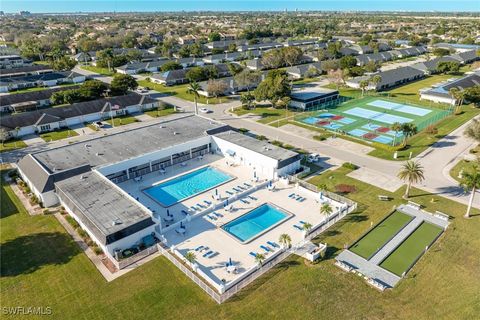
[45,127]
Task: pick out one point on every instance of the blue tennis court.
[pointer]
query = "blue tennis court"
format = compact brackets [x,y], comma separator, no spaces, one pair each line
[357,132]
[333,126]
[377,116]
[310,120]
[371,126]
[326,115]
[346,120]
[383,139]
[399,107]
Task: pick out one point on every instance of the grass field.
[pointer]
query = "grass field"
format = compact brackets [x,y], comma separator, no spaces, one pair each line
[180,91]
[42,266]
[267,114]
[376,238]
[102,71]
[58,134]
[466,166]
[12,145]
[411,248]
[121,120]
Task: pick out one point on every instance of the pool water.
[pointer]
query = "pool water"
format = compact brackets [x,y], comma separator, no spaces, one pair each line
[255,222]
[185,186]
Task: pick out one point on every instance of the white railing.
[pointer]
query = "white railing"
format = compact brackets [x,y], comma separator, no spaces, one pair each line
[123,263]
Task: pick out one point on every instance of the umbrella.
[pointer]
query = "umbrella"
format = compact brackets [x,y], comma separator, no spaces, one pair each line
[254,174]
[230,261]
[216,192]
[168,212]
[321,195]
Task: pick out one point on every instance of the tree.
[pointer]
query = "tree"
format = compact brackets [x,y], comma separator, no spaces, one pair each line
[259,258]
[216,87]
[376,79]
[291,55]
[371,66]
[473,130]
[171,65]
[210,72]
[285,240]
[232,47]
[195,74]
[347,62]
[440,52]
[247,99]
[448,67]
[336,77]
[4,135]
[408,130]
[63,63]
[411,172]
[196,50]
[190,257]
[234,68]
[470,182]
[307,227]
[397,127]
[363,85]
[326,209]
[273,59]
[458,96]
[246,78]
[274,87]
[312,72]
[184,51]
[472,94]
[214,36]
[105,56]
[334,49]
[121,83]
[194,88]
[92,89]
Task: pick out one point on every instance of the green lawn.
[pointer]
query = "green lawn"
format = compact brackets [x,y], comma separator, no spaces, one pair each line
[411,248]
[42,266]
[161,112]
[376,238]
[121,120]
[466,166]
[58,135]
[102,71]
[180,91]
[12,145]
[268,114]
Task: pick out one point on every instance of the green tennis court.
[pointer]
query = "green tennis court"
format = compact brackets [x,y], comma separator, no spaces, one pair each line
[402,258]
[376,238]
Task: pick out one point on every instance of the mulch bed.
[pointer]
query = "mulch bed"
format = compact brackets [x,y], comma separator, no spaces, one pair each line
[370,136]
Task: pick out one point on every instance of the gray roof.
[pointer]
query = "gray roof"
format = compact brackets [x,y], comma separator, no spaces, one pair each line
[301,69]
[10,99]
[390,77]
[461,84]
[24,70]
[39,77]
[263,147]
[312,94]
[104,209]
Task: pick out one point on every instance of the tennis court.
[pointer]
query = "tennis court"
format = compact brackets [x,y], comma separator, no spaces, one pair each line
[371,118]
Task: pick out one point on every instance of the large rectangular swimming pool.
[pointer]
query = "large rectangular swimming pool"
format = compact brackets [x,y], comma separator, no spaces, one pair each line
[185,186]
[255,222]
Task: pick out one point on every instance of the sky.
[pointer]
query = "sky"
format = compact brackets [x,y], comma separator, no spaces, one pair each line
[58,6]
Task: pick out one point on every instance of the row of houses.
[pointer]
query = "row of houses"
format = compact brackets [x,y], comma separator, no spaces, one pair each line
[26,70]
[179,76]
[49,79]
[37,121]
[402,75]
[379,57]
[28,101]
[9,61]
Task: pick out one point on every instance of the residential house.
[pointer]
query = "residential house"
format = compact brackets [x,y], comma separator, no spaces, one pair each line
[440,93]
[390,78]
[40,80]
[299,71]
[174,77]
[33,69]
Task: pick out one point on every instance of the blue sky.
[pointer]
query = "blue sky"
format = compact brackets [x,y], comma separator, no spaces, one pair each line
[233,5]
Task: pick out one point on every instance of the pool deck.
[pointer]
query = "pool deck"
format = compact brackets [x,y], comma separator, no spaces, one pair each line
[371,268]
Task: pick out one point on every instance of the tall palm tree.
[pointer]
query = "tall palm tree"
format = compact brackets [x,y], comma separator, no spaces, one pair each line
[471,182]
[408,130]
[459,96]
[411,172]
[306,227]
[363,85]
[326,209]
[190,257]
[397,127]
[194,88]
[259,258]
[285,240]
[376,80]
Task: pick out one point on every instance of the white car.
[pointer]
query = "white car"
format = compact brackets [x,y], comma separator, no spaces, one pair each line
[141,90]
[205,110]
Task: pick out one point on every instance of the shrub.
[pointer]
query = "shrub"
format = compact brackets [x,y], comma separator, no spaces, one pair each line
[320,138]
[260,137]
[97,250]
[345,188]
[243,130]
[13,174]
[349,165]
[276,143]
[431,129]
[82,233]
[46,211]
[72,222]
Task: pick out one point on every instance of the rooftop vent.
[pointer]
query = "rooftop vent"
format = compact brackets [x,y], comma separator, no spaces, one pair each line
[175,133]
[116,222]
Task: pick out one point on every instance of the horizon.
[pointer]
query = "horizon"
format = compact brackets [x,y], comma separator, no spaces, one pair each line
[149,6]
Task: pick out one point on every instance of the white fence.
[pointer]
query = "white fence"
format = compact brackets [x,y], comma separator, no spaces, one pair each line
[136,257]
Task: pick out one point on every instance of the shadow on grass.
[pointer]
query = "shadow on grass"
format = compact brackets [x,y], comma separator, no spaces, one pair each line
[27,254]
[8,207]
[292,261]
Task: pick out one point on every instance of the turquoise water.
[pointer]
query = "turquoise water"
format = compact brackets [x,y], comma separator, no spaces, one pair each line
[254,222]
[187,185]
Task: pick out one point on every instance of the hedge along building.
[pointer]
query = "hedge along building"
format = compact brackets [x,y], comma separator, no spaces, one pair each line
[83,177]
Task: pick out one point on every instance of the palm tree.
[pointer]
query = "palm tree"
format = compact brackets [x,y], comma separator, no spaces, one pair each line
[408,130]
[376,80]
[259,258]
[17,130]
[458,95]
[363,85]
[307,226]
[411,172]
[285,240]
[247,99]
[194,88]
[326,209]
[397,126]
[190,257]
[471,182]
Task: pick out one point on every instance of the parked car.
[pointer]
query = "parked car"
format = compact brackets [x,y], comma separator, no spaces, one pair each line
[205,110]
[141,90]
[98,124]
[314,157]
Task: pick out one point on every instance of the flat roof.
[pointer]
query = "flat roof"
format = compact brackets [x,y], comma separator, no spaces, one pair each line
[259,146]
[126,145]
[309,94]
[108,209]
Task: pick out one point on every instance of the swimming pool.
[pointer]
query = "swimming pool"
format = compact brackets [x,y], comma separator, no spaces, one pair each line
[255,222]
[185,186]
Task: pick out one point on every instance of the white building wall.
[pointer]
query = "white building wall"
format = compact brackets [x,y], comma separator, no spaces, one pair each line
[262,164]
[437,99]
